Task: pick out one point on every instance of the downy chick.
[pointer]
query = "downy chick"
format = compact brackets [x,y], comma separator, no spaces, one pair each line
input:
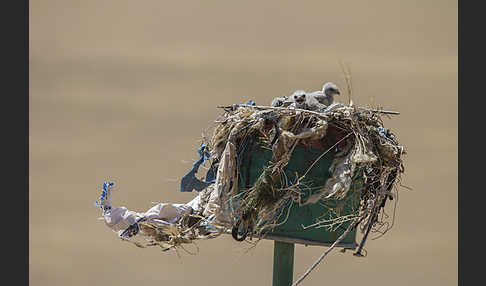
[300,99]
[326,96]
[278,101]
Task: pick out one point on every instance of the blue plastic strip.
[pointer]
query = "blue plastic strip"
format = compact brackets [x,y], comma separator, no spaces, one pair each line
[189,182]
[104,193]
[250,102]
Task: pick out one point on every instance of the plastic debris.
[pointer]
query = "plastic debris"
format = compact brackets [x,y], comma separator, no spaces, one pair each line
[189,182]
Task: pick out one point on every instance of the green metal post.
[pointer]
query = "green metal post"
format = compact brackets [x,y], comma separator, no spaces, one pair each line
[283,263]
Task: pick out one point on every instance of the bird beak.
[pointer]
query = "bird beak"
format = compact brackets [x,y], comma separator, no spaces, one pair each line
[337,92]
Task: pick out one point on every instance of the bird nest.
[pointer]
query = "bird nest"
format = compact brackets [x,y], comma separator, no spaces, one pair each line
[364,150]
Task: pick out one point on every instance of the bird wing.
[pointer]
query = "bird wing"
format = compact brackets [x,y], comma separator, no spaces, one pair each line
[320,96]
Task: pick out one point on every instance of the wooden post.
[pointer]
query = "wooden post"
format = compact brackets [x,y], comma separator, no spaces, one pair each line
[283,263]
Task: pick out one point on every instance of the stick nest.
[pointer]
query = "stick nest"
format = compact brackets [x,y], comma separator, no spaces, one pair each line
[364,149]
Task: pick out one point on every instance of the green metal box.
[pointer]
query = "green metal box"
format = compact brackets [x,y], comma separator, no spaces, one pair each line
[293,230]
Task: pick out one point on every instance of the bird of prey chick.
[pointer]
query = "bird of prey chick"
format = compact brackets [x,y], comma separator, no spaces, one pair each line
[326,96]
[301,100]
[279,101]
[298,99]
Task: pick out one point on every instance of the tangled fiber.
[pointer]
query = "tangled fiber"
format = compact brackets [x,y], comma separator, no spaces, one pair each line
[364,151]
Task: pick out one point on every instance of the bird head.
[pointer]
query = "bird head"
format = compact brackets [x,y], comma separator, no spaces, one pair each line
[330,88]
[298,96]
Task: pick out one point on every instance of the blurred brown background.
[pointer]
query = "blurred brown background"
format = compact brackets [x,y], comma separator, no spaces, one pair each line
[123,89]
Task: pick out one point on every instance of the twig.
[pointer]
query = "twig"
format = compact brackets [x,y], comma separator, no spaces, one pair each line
[302,110]
[274,108]
[381,111]
[347,77]
[350,227]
